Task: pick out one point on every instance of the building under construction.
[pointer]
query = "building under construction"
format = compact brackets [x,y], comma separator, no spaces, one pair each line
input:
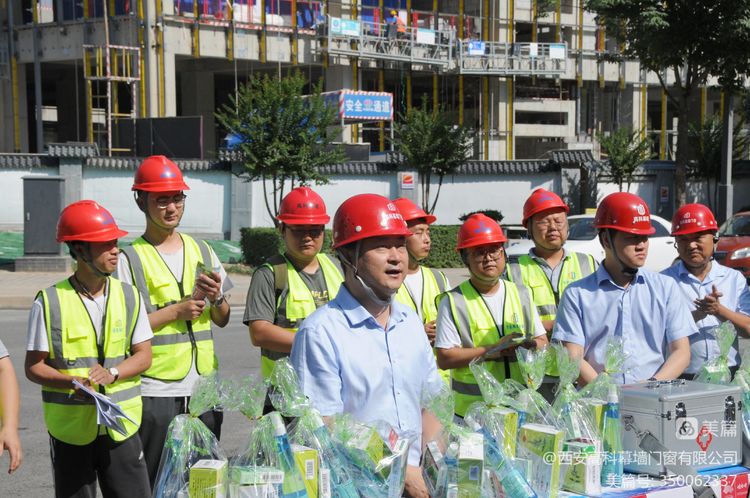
[112,72]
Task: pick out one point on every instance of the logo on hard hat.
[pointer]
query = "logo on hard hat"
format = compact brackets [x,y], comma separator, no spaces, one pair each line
[308,205]
[391,206]
[106,218]
[641,209]
[686,215]
[482,228]
[167,173]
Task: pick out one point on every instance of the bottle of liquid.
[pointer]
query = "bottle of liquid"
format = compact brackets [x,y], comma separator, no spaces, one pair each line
[294,485]
[612,441]
[514,484]
[451,476]
[340,483]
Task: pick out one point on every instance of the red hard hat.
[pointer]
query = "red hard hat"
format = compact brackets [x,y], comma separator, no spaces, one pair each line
[302,206]
[411,211]
[158,174]
[87,221]
[692,218]
[479,230]
[541,200]
[625,212]
[367,215]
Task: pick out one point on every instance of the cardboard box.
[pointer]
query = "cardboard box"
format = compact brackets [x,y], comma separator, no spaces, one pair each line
[307,463]
[542,445]
[584,469]
[433,461]
[470,465]
[366,446]
[255,482]
[208,479]
[505,429]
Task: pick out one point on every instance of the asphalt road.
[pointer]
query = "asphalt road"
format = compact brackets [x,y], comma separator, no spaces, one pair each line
[237,357]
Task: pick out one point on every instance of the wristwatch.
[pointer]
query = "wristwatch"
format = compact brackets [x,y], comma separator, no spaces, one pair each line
[219,301]
[115,373]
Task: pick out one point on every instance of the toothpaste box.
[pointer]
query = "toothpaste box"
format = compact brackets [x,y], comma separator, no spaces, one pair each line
[583,466]
[470,465]
[542,445]
[208,479]
[307,463]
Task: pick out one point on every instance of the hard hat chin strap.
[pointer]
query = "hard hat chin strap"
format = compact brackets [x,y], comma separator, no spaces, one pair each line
[626,270]
[85,256]
[353,266]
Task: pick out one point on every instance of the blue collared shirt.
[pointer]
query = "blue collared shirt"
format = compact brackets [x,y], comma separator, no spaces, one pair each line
[347,363]
[648,315]
[736,297]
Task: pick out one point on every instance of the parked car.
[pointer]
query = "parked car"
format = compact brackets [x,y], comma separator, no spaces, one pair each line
[583,238]
[733,249]
[515,234]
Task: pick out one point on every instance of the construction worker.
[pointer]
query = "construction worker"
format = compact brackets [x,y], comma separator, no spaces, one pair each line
[548,268]
[621,299]
[421,285]
[94,329]
[184,287]
[713,292]
[288,287]
[484,316]
[400,25]
[359,354]
[10,400]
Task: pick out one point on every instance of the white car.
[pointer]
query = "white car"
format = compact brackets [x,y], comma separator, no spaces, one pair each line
[583,238]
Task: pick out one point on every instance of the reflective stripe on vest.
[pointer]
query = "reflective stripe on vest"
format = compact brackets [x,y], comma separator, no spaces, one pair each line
[73,350]
[298,302]
[174,343]
[476,327]
[433,284]
[526,271]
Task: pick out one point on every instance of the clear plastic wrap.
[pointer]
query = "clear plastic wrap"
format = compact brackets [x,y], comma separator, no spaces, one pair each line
[188,442]
[742,379]
[532,407]
[716,370]
[378,454]
[284,390]
[614,361]
[246,395]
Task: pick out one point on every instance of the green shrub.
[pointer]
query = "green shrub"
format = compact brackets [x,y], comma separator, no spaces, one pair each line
[259,244]
[443,253]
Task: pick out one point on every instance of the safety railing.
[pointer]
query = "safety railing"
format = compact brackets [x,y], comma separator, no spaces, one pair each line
[498,58]
[388,41]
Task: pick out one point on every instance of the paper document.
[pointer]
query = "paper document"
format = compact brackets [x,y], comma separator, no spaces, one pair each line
[108,413]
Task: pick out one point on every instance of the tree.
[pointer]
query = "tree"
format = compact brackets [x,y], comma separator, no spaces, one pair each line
[626,150]
[431,144]
[283,135]
[706,165]
[692,40]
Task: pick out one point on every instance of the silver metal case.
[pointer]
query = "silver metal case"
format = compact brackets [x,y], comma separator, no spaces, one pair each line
[697,423]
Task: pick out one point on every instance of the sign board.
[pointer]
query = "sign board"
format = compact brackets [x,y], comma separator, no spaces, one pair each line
[426,36]
[476,48]
[345,27]
[361,106]
[557,51]
[406,180]
[533,50]
[664,194]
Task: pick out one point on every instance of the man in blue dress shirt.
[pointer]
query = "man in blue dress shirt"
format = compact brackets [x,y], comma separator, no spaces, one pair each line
[621,299]
[361,353]
[713,292]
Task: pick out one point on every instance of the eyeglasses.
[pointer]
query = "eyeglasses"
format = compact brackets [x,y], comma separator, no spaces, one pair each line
[178,201]
[313,232]
[492,253]
[548,223]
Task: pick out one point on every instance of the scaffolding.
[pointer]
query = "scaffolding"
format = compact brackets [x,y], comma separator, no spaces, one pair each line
[380,41]
[512,59]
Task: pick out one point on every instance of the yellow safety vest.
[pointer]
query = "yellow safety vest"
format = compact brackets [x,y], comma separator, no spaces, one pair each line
[476,327]
[175,343]
[433,284]
[73,350]
[298,302]
[526,271]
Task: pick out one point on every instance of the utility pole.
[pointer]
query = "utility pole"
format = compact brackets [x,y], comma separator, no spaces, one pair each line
[726,189]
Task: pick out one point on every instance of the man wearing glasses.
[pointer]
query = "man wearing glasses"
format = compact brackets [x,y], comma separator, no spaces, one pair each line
[484,316]
[289,287]
[713,292]
[183,284]
[548,268]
